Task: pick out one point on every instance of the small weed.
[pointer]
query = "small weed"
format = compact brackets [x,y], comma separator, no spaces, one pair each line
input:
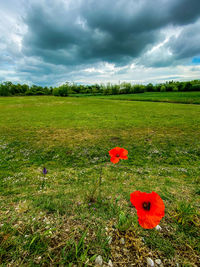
[77,252]
[197,192]
[187,219]
[124,221]
[37,244]
[57,203]
[154,240]
[185,214]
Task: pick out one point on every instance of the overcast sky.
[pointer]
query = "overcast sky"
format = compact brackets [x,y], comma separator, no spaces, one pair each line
[49,42]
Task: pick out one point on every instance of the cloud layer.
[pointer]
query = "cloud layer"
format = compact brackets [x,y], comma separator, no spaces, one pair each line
[48,42]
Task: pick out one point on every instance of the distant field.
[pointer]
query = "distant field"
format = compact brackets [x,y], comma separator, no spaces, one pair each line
[61,220]
[172,97]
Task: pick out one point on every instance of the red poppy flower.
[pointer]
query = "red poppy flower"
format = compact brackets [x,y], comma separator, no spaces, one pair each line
[150,208]
[118,153]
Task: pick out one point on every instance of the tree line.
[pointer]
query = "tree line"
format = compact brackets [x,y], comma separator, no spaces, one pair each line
[10,89]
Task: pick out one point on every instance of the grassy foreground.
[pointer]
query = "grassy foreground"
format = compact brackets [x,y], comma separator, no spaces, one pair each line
[60,219]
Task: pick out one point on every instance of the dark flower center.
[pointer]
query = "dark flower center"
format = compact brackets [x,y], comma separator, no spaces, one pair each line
[146,205]
[117,155]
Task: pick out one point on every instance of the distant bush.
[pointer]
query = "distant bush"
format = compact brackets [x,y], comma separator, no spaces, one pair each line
[138,89]
[196,87]
[29,92]
[150,87]
[126,88]
[175,89]
[163,88]
[61,91]
[9,89]
[4,90]
[188,86]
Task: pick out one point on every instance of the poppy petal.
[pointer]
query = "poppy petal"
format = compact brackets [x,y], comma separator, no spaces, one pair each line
[149,222]
[137,198]
[123,157]
[114,160]
[123,152]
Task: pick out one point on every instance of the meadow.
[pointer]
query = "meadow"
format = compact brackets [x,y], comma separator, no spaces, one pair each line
[64,218]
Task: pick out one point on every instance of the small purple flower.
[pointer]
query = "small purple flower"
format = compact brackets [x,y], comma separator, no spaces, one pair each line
[44,171]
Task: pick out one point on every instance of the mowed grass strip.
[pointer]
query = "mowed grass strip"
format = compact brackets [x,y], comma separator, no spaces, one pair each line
[171,97]
[67,221]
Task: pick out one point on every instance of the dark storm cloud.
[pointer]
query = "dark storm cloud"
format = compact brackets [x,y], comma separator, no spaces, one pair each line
[91,31]
[131,17]
[56,40]
[71,40]
[183,12]
[187,43]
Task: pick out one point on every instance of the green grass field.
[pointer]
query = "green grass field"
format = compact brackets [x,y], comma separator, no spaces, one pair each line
[60,219]
[171,97]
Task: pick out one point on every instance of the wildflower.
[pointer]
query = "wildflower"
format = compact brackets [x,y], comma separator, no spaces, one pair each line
[150,208]
[118,153]
[44,171]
